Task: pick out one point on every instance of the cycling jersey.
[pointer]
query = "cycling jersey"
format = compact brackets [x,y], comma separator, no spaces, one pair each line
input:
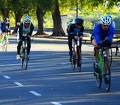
[72,30]
[25,31]
[5,27]
[99,34]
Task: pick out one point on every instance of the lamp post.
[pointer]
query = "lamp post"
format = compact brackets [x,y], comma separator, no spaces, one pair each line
[76,8]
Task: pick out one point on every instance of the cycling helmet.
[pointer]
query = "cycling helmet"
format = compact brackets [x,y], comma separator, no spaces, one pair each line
[106,20]
[27,19]
[79,21]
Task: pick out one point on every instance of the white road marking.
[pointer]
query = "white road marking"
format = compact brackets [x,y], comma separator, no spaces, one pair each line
[18,84]
[55,103]
[65,63]
[7,77]
[35,93]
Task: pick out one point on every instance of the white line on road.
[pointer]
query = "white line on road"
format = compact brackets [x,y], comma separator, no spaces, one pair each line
[7,77]
[55,103]
[18,84]
[65,63]
[35,93]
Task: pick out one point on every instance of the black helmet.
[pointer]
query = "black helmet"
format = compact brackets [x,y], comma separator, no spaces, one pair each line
[79,21]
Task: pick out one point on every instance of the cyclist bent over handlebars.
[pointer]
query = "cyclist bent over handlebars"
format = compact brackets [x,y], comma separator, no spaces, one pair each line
[102,36]
[74,29]
[25,31]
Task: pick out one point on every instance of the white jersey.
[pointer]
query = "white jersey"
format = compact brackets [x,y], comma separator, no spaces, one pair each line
[26,30]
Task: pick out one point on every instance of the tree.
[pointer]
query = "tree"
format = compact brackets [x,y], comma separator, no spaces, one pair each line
[41,7]
[5,7]
[57,25]
[20,7]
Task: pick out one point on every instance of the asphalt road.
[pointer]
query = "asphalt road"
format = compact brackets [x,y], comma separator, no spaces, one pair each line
[50,79]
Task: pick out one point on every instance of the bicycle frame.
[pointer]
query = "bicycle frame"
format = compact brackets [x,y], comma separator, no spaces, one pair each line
[104,69]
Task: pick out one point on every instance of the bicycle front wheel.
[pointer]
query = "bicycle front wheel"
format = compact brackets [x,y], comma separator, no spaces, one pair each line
[24,59]
[110,57]
[107,77]
[79,59]
[73,63]
[98,77]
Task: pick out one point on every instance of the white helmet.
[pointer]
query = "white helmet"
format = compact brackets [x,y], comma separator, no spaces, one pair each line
[27,19]
[106,20]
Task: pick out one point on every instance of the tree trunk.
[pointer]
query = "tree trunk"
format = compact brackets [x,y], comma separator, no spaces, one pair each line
[40,13]
[57,25]
[18,17]
[5,12]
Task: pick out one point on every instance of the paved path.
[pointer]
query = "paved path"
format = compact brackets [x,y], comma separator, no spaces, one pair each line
[50,79]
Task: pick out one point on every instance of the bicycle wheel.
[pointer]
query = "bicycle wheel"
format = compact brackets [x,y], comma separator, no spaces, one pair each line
[110,57]
[26,59]
[107,77]
[22,55]
[79,59]
[73,63]
[98,77]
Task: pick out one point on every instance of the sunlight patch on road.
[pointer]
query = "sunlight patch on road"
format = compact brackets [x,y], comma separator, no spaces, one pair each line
[103,94]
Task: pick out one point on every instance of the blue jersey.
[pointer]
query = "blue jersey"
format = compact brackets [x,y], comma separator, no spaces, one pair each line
[73,30]
[99,34]
[5,27]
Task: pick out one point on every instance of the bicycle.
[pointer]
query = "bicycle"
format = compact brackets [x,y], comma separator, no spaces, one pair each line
[76,54]
[5,41]
[24,55]
[103,65]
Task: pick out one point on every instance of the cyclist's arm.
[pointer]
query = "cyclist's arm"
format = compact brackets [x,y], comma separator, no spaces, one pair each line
[8,27]
[31,29]
[111,34]
[81,31]
[96,35]
[71,30]
[20,30]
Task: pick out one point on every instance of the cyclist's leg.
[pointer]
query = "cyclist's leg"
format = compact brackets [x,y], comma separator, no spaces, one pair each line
[28,45]
[96,50]
[3,38]
[79,53]
[96,53]
[107,60]
[19,46]
[70,46]
[7,35]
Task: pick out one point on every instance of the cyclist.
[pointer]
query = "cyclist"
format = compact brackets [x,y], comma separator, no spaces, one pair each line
[25,30]
[102,36]
[72,30]
[5,27]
